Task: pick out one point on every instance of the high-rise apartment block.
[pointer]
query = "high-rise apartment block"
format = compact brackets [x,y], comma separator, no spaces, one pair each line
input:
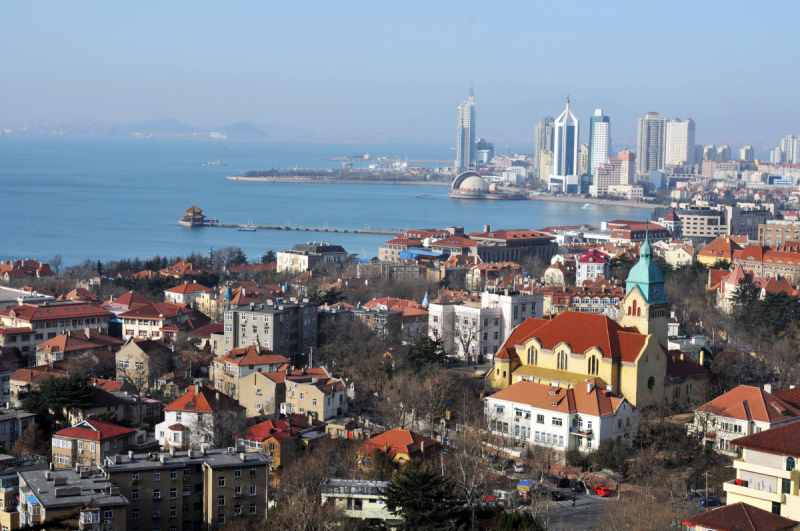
[747,154]
[484,151]
[543,143]
[710,153]
[790,146]
[616,171]
[650,143]
[465,145]
[723,154]
[680,142]
[583,159]
[599,139]
[564,176]
[698,154]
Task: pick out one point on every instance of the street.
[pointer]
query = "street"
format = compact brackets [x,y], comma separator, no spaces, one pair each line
[563,515]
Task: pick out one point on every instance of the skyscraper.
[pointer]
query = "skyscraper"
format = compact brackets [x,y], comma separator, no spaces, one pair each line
[698,154]
[583,159]
[791,149]
[747,154]
[599,140]
[650,143]
[566,146]
[723,154]
[542,142]
[680,142]
[465,146]
[710,153]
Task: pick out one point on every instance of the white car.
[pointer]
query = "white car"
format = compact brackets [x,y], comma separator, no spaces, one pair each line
[519,467]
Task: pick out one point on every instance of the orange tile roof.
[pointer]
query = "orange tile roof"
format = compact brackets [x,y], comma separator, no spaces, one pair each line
[252,355]
[203,400]
[72,341]
[741,517]
[77,310]
[79,294]
[598,402]
[581,331]
[751,403]
[94,430]
[406,442]
[189,287]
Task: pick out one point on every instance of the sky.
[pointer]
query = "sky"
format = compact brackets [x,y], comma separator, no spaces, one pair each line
[346,69]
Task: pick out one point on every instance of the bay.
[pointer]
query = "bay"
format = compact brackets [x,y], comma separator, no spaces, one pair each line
[105,198]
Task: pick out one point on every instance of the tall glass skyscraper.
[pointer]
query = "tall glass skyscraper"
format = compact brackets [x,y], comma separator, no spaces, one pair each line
[599,140]
[566,146]
[465,146]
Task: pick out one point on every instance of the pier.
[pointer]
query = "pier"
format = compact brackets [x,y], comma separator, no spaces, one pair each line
[214,223]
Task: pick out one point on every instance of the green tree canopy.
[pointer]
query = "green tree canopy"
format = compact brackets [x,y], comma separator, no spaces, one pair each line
[55,396]
[424,353]
[423,498]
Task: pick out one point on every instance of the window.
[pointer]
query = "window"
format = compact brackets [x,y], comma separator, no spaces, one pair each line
[178,416]
[134,515]
[93,447]
[237,473]
[562,360]
[156,513]
[221,481]
[186,490]
[173,493]
[185,472]
[313,401]
[252,508]
[108,514]
[173,474]
[557,421]
[221,518]
[789,464]
[776,508]
[156,494]
[786,486]
[252,472]
[135,476]
[173,512]
[135,495]
[252,490]
[156,476]
[221,501]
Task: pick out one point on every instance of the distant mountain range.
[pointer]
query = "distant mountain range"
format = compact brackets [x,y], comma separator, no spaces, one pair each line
[236,131]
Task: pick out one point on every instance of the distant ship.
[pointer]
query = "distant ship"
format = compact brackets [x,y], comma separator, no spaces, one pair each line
[217,163]
[246,229]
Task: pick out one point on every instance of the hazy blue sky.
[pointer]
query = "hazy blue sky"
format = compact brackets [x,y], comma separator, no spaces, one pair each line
[356,67]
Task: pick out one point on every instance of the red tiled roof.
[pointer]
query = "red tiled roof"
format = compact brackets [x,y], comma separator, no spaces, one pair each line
[94,430]
[680,369]
[280,375]
[672,216]
[593,256]
[401,441]
[790,396]
[77,340]
[597,402]
[128,301]
[189,287]
[80,294]
[721,249]
[10,331]
[109,386]
[206,331]
[581,331]
[251,268]
[741,517]
[77,310]
[203,400]
[252,355]
[455,241]
[751,403]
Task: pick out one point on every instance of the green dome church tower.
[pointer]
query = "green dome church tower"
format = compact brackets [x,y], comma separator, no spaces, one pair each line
[645,306]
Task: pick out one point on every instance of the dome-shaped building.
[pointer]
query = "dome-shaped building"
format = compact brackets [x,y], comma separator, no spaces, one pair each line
[469,185]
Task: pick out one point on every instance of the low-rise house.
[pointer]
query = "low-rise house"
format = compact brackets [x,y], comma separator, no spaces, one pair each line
[141,362]
[400,446]
[201,415]
[104,403]
[182,269]
[49,319]
[360,499]
[87,443]
[559,274]
[738,517]
[159,320]
[590,266]
[249,269]
[238,363]
[23,381]
[263,393]
[73,345]
[20,271]
[13,423]
[579,418]
[307,256]
[415,316]
[686,382]
[173,384]
[46,495]
[766,473]
[745,410]
[211,336]
[186,293]
[282,440]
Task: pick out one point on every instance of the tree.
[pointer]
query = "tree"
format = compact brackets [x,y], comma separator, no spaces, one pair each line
[517,521]
[612,455]
[56,262]
[30,443]
[422,497]
[424,353]
[55,397]
[269,258]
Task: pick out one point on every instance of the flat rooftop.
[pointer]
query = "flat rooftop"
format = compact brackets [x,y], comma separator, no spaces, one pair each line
[93,488]
[353,486]
[214,458]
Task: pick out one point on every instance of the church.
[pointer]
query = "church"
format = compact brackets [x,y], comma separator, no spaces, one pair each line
[628,358]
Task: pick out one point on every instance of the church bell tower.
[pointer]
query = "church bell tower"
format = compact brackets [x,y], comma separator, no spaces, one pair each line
[645,306]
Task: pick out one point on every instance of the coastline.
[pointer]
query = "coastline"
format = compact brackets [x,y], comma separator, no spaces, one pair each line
[593,201]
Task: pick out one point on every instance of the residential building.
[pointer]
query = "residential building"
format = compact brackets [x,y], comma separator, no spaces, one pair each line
[400,446]
[611,172]
[720,249]
[726,285]
[484,151]
[768,263]
[21,271]
[89,442]
[465,133]
[738,517]
[186,293]
[264,394]
[564,177]
[744,410]
[723,154]
[414,319]
[708,223]
[199,489]
[238,363]
[628,192]
[471,329]
[69,346]
[13,423]
[590,266]
[679,142]
[361,499]
[407,270]
[687,380]
[192,419]
[599,140]
[710,153]
[307,256]
[559,274]
[591,299]
[650,143]
[141,362]
[511,245]
[543,142]
[777,232]
[790,146]
[49,319]
[578,418]
[479,274]
[747,154]
[159,320]
[583,159]
[48,494]
[288,328]
[766,473]
[282,440]
[23,381]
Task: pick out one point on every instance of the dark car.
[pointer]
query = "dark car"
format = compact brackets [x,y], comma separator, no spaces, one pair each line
[561,483]
[576,486]
[712,501]
[556,495]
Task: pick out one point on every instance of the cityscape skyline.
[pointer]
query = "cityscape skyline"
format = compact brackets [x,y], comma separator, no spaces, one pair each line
[120,65]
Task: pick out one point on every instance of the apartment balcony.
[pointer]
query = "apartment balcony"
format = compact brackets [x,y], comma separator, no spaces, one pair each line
[580,432]
[748,492]
[741,464]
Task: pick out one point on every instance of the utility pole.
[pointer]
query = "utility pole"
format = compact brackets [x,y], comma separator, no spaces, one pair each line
[706,475]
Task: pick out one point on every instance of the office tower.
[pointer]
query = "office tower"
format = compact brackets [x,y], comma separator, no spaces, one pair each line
[747,154]
[791,149]
[698,154]
[583,159]
[723,154]
[650,143]
[680,142]
[465,147]
[599,139]
[710,153]
[484,151]
[543,142]
[566,142]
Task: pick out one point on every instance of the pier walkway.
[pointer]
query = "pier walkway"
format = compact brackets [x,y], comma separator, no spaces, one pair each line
[212,223]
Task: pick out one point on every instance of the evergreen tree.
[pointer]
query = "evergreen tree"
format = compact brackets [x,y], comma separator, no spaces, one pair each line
[269,258]
[55,396]
[425,352]
[423,498]
[518,522]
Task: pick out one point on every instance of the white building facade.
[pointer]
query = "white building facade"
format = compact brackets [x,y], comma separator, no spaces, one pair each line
[465,135]
[564,176]
[679,142]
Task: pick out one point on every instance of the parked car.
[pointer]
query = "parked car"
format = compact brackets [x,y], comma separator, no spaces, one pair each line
[604,492]
[556,495]
[576,486]
[519,467]
[712,501]
[561,483]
